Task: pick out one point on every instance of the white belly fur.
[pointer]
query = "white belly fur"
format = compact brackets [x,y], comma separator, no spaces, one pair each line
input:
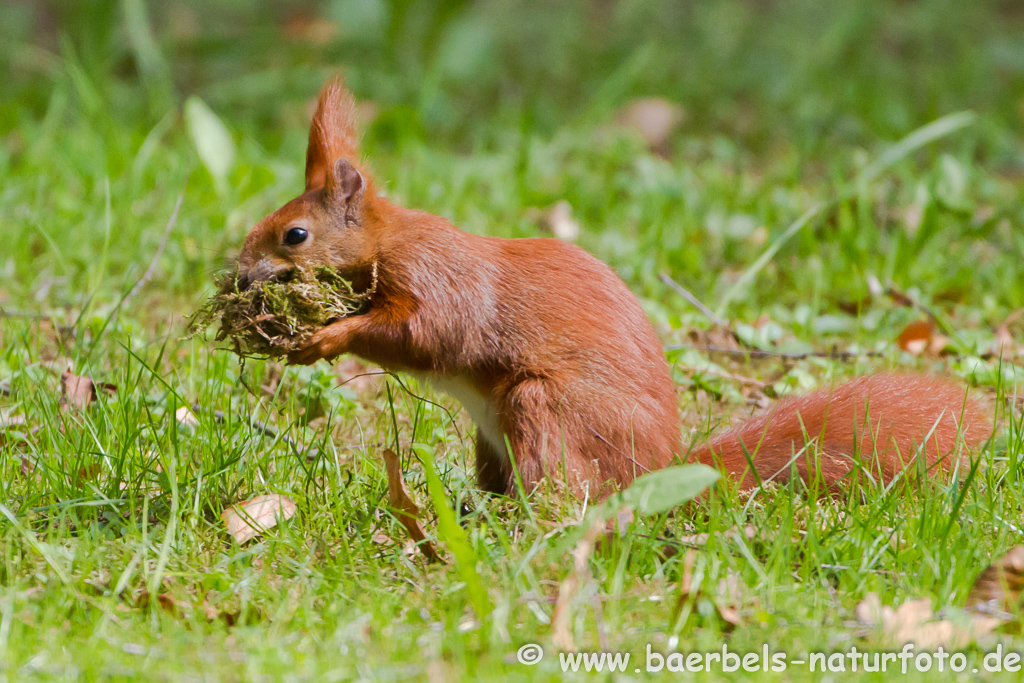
[479,408]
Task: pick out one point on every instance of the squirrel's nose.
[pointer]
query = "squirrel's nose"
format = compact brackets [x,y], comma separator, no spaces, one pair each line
[262,270]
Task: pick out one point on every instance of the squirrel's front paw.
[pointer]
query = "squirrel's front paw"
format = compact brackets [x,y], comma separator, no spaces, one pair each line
[307,355]
[323,344]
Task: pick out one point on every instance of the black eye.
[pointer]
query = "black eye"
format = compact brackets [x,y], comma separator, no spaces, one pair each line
[295,236]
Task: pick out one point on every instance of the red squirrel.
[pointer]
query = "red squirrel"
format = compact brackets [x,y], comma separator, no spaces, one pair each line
[549,351]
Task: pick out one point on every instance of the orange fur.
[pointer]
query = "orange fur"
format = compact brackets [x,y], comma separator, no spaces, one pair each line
[878,423]
[543,344]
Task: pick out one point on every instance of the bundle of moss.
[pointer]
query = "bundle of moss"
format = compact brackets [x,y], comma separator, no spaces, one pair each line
[278,315]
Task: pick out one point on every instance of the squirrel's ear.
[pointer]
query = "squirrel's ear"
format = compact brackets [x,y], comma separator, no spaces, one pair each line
[346,183]
[332,134]
[316,160]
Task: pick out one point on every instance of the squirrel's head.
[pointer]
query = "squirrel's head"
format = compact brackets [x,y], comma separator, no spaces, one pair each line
[326,224]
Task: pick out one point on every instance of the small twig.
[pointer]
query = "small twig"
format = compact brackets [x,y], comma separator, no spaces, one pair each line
[369,373]
[261,427]
[451,416]
[1012,318]
[758,353]
[901,298]
[686,294]
[151,270]
[4,313]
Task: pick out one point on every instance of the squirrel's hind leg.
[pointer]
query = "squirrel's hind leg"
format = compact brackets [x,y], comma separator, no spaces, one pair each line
[493,471]
[543,441]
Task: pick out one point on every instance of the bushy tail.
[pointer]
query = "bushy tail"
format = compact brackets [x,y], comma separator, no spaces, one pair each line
[883,422]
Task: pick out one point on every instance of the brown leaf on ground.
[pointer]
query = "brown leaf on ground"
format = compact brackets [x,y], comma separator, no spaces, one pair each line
[619,523]
[997,590]
[921,338]
[558,221]
[308,28]
[186,417]
[916,622]
[406,510]
[728,589]
[561,633]
[183,609]
[215,613]
[91,471]
[654,118]
[1003,342]
[78,393]
[716,338]
[249,519]
[10,421]
[165,601]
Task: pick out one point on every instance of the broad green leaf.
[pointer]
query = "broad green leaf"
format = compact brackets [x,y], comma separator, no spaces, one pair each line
[212,140]
[454,536]
[664,489]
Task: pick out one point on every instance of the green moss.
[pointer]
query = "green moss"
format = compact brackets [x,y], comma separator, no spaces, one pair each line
[275,316]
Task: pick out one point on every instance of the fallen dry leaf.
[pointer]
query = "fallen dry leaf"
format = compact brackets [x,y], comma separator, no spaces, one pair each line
[90,472]
[182,609]
[11,421]
[561,635]
[248,519]
[870,610]
[1003,342]
[559,221]
[406,510]
[912,622]
[214,613]
[619,523]
[916,622]
[310,29]
[78,393]
[728,588]
[921,337]
[997,590]
[186,417]
[654,118]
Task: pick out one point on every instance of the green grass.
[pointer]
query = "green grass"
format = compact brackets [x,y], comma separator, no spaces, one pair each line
[484,111]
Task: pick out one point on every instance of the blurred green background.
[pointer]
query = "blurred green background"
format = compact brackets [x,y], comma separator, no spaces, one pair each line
[482,110]
[489,113]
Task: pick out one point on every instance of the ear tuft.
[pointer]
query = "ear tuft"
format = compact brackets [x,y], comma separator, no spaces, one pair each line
[332,134]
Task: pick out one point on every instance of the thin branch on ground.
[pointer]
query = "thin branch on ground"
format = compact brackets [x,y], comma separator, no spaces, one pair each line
[758,353]
[694,301]
[151,270]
